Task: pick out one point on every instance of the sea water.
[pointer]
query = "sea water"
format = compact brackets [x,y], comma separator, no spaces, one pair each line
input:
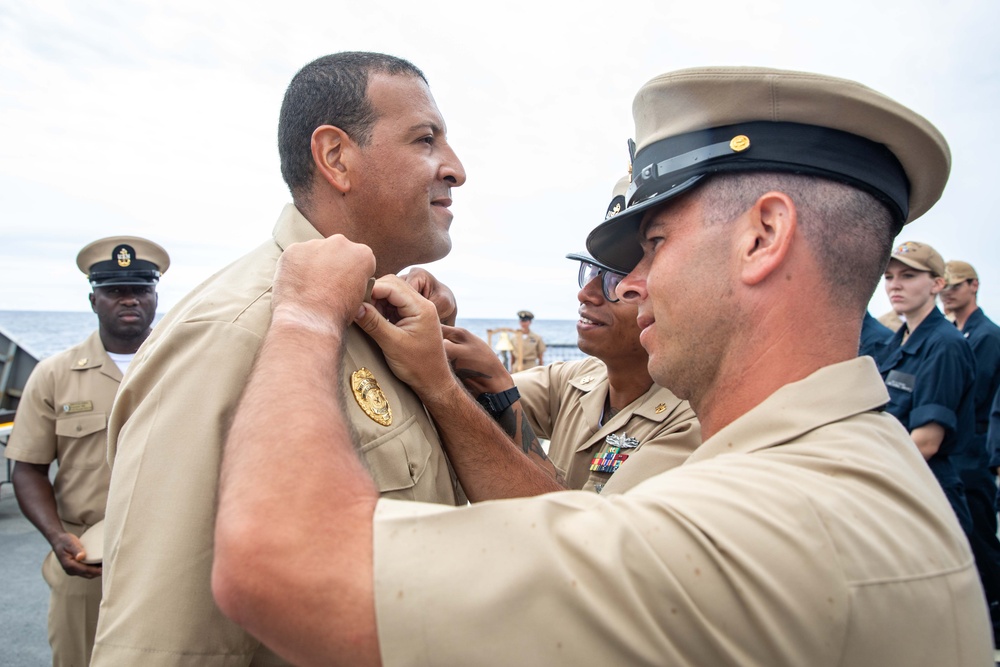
[43,333]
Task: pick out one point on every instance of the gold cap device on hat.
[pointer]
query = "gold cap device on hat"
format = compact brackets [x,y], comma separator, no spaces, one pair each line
[692,123]
[920,256]
[123,260]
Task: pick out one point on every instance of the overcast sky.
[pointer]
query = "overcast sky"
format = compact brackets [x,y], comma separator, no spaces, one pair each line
[158,119]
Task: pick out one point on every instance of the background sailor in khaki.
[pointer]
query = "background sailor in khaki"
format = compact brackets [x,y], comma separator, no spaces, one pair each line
[529,348]
[63,417]
[806,529]
[168,426]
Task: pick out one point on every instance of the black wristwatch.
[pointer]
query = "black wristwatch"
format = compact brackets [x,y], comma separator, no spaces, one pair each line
[495,404]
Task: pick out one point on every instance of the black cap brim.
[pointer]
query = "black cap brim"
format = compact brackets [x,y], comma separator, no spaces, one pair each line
[615,243]
[585,257]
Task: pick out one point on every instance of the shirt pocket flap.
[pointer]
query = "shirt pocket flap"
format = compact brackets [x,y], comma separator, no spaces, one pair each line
[398,459]
[79,426]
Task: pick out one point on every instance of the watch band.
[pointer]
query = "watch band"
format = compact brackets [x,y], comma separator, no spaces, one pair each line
[497,403]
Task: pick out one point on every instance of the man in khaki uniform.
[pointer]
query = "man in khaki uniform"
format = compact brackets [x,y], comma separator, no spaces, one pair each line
[609,426]
[604,417]
[63,416]
[805,530]
[348,123]
[529,348]
[605,411]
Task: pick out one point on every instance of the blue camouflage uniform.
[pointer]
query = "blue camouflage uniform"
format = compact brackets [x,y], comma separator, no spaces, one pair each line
[977,479]
[931,378]
[984,337]
[874,337]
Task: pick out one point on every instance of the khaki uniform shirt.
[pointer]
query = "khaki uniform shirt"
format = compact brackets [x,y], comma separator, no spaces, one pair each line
[165,442]
[63,416]
[528,348]
[564,402]
[807,532]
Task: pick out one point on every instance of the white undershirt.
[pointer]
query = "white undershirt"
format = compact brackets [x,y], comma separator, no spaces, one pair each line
[121,360]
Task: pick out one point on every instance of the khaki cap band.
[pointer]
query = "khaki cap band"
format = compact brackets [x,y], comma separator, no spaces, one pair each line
[697,122]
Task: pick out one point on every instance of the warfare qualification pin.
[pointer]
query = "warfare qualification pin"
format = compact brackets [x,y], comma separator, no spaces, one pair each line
[370,397]
[622,441]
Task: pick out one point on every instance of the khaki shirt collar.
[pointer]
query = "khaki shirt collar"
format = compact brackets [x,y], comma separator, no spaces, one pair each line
[655,398]
[93,355]
[292,227]
[594,386]
[831,394]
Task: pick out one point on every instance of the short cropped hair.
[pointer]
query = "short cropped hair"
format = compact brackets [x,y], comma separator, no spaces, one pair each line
[332,90]
[850,232]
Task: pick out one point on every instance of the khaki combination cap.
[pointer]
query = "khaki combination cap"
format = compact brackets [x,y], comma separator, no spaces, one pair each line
[956,271]
[123,260]
[696,122]
[92,541]
[616,206]
[618,193]
[920,256]
[525,315]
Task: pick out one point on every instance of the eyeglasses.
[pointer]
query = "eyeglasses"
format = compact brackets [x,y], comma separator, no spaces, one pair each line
[609,279]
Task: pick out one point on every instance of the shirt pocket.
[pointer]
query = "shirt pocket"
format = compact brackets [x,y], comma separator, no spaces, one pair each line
[398,460]
[901,404]
[82,440]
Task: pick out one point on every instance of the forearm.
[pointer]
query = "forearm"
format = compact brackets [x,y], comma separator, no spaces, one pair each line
[491,462]
[37,499]
[293,554]
[928,438]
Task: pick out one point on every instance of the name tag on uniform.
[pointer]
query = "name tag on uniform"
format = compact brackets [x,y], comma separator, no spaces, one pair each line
[80,406]
[903,381]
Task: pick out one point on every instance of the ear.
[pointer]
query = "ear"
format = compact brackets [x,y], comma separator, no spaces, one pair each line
[766,239]
[332,152]
[93,303]
[938,285]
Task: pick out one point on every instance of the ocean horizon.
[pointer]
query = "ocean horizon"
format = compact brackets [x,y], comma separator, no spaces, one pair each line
[43,333]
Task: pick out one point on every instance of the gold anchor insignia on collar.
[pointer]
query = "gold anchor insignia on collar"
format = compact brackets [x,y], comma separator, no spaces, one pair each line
[661,407]
[587,379]
[370,397]
[82,362]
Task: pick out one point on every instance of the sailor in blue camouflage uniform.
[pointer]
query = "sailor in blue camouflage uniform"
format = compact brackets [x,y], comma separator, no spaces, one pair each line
[960,298]
[930,371]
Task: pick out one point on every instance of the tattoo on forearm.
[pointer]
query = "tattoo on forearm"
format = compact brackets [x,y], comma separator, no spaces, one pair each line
[468,373]
[508,422]
[529,441]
